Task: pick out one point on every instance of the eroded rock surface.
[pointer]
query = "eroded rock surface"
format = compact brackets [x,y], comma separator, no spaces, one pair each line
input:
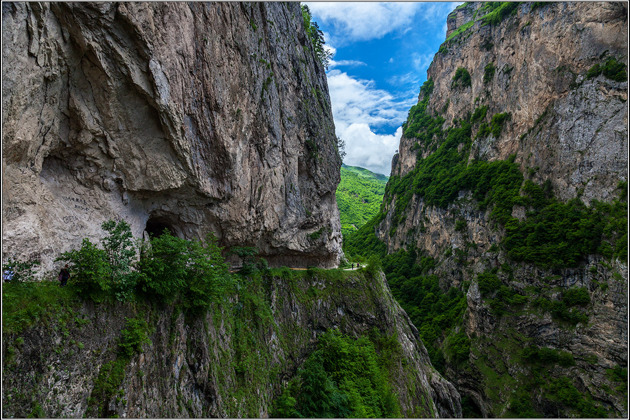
[565,127]
[232,361]
[196,117]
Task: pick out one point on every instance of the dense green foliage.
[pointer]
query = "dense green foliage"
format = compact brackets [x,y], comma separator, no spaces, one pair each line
[343,377]
[461,78]
[460,30]
[169,268]
[419,124]
[501,298]
[316,36]
[479,114]
[496,11]
[134,336]
[24,304]
[495,127]
[611,69]
[364,241]
[359,197]
[436,313]
[545,356]
[557,234]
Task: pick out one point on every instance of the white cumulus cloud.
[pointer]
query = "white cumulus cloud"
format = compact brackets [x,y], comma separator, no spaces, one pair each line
[358,108]
[369,150]
[361,21]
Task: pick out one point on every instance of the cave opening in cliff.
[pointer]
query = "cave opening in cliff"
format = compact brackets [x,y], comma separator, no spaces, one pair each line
[157,225]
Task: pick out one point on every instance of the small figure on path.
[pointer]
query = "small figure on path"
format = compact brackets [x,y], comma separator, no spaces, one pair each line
[8,274]
[353,266]
[64,275]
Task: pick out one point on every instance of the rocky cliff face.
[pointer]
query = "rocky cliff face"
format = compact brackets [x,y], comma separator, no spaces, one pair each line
[201,117]
[232,361]
[530,93]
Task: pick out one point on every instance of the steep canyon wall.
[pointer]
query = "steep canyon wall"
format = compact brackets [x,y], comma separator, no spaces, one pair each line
[521,84]
[200,117]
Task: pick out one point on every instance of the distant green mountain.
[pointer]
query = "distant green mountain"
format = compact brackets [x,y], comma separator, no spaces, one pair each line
[359,196]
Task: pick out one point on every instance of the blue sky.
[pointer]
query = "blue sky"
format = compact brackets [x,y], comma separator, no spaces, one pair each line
[381,55]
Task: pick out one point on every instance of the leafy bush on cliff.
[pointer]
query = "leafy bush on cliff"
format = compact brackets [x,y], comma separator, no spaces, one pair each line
[612,69]
[174,268]
[316,37]
[344,377]
[169,268]
[488,73]
[89,269]
[497,11]
[461,78]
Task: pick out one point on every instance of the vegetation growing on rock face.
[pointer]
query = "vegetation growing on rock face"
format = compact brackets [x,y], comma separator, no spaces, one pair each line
[316,37]
[549,236]
[343,377]
[168,269]
[496,11]
[488,73]
[461,78]
[359,197]
[612,69]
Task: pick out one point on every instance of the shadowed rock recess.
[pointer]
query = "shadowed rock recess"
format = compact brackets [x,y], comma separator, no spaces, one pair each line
[511,184]
[201,117]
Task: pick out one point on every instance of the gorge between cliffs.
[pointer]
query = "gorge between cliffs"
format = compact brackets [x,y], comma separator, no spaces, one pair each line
[182,160]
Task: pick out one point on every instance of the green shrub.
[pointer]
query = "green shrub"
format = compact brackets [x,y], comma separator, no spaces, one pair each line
[576,296]
[563,391]
[193,271]
[488,73]
[479,114]
[344,377]
[316,36]
[611,69]
[121,254]
[461,78]
[546,356]
[498,11]
[373,265]
[133,336]
[488,283]
[457,348]
[89,270]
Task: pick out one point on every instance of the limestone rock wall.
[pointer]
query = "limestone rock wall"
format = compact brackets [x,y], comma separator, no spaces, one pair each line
[564,127]
[197,117]
[231,362]
[573,129]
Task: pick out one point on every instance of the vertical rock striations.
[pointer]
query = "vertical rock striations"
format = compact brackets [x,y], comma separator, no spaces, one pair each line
[232,361]
[196,117]
[523,116]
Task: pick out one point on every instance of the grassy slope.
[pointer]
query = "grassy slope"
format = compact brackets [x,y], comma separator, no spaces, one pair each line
[359,196]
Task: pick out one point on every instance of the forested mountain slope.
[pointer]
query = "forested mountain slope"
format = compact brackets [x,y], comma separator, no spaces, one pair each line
[359,196]
[504,224]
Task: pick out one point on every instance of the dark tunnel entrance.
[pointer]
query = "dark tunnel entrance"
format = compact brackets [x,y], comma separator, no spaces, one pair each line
[157,225]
